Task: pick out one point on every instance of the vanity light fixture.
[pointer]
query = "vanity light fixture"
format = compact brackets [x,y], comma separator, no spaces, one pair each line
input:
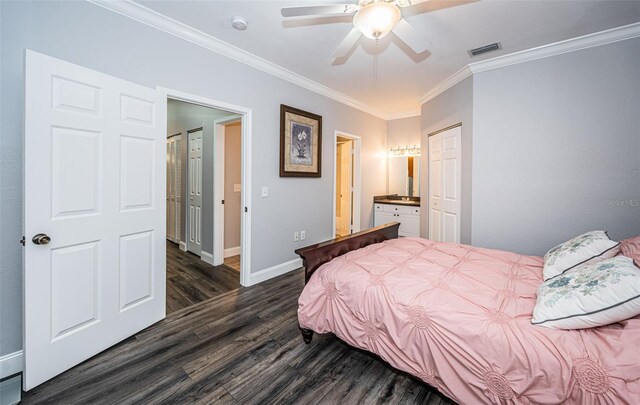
[406,151]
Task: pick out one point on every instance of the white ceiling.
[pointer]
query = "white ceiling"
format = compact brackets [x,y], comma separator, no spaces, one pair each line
[304,45]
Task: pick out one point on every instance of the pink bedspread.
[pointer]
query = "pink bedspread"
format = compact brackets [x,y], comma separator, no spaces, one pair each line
[458,317]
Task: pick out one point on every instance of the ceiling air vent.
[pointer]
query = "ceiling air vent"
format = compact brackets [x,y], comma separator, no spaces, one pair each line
[484,49]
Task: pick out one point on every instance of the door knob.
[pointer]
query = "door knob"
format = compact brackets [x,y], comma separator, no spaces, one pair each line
[41,239]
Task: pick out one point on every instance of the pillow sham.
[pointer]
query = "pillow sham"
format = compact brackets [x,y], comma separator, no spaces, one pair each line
[587,248]
[590,295]
[631,249]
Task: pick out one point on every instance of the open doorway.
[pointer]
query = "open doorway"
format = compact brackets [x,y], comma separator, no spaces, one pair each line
[228,189]
[195,170]
[346,208]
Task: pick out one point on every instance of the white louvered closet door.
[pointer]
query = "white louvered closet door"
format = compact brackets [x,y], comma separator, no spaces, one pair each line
[173,188]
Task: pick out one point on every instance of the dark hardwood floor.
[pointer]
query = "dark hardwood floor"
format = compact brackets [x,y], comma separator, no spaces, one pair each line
[239,347]
[190,280]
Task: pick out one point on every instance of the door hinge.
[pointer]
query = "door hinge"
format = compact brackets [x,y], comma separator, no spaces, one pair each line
[246,209]
[222,202]
[22,241]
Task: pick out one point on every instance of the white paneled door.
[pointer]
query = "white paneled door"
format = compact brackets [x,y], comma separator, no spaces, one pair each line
[194,230]
[94,213]
[445,185]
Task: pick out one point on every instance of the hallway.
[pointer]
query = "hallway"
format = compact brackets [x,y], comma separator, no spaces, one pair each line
[190,280]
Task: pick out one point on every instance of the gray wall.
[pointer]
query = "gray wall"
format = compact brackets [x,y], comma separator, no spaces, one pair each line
[556,148]
[182,117]
[98,39]
[454,106]
[404,132]
[232,175]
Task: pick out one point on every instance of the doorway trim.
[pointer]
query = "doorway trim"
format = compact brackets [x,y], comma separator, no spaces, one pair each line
[357,183]
[246,115]
[218,185]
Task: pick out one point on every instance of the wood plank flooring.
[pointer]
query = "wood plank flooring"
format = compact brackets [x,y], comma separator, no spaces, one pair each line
[233,262]
[239,347]
[190,280]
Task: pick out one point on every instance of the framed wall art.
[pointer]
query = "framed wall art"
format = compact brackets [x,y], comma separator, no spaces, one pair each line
[300,143]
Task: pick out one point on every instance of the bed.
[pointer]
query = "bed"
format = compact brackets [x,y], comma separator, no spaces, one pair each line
[459,318]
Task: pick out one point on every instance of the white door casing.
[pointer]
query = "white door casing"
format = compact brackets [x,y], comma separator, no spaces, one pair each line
[246,115]
[194,216]
[445,185]
[94,182]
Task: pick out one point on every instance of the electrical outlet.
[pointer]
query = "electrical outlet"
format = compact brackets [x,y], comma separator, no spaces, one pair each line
[296,236]
[265,191]
[303,235]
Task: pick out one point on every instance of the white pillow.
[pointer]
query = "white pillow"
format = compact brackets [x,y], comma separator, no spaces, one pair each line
[590,295]
[590,247]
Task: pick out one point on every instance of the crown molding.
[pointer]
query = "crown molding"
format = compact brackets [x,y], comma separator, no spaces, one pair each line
[406,114]
[556,48]
[451,81]
[166,24]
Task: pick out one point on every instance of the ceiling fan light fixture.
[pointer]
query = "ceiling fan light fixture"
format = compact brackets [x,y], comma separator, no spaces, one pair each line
[376,20]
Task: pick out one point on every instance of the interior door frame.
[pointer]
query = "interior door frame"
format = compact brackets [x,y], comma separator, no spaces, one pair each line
[246,115]
[218,185]
[428,166]
[357,180]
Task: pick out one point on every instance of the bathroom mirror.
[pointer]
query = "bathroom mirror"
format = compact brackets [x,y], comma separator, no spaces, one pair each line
[404,175]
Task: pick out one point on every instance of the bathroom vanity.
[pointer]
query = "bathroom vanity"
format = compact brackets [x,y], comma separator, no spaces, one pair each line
[394,208]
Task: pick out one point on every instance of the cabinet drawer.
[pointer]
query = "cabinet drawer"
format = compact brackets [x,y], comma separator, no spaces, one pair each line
[378,207]
[398,209]
[415,210]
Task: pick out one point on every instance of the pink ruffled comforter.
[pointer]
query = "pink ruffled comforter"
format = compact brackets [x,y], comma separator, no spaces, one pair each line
[458,318]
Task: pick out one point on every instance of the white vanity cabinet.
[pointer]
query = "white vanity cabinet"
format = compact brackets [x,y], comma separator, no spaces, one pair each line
[408,216]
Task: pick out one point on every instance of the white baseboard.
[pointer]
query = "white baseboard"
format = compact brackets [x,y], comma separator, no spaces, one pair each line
[183,246]
[11,364]
[275,271]
[234,251]
[207,257]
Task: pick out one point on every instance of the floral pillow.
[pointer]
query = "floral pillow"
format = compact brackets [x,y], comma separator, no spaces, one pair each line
[590,295]
[587,248]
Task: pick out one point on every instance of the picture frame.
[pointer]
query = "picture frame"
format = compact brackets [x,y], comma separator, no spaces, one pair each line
[300,143]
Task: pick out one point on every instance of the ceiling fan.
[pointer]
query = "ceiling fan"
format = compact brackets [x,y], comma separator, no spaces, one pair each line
[372,18]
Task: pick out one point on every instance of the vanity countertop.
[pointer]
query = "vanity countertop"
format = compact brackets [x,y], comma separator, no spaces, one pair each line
[397,200]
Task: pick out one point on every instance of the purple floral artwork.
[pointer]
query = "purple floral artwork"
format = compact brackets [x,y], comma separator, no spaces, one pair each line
[300,152]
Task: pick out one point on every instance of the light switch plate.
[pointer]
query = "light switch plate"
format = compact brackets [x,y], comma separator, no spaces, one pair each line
[265,191]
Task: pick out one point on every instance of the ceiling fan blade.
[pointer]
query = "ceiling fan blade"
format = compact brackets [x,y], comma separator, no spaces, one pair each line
[319,10]
[347,43]
[411,36]
[408,3]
